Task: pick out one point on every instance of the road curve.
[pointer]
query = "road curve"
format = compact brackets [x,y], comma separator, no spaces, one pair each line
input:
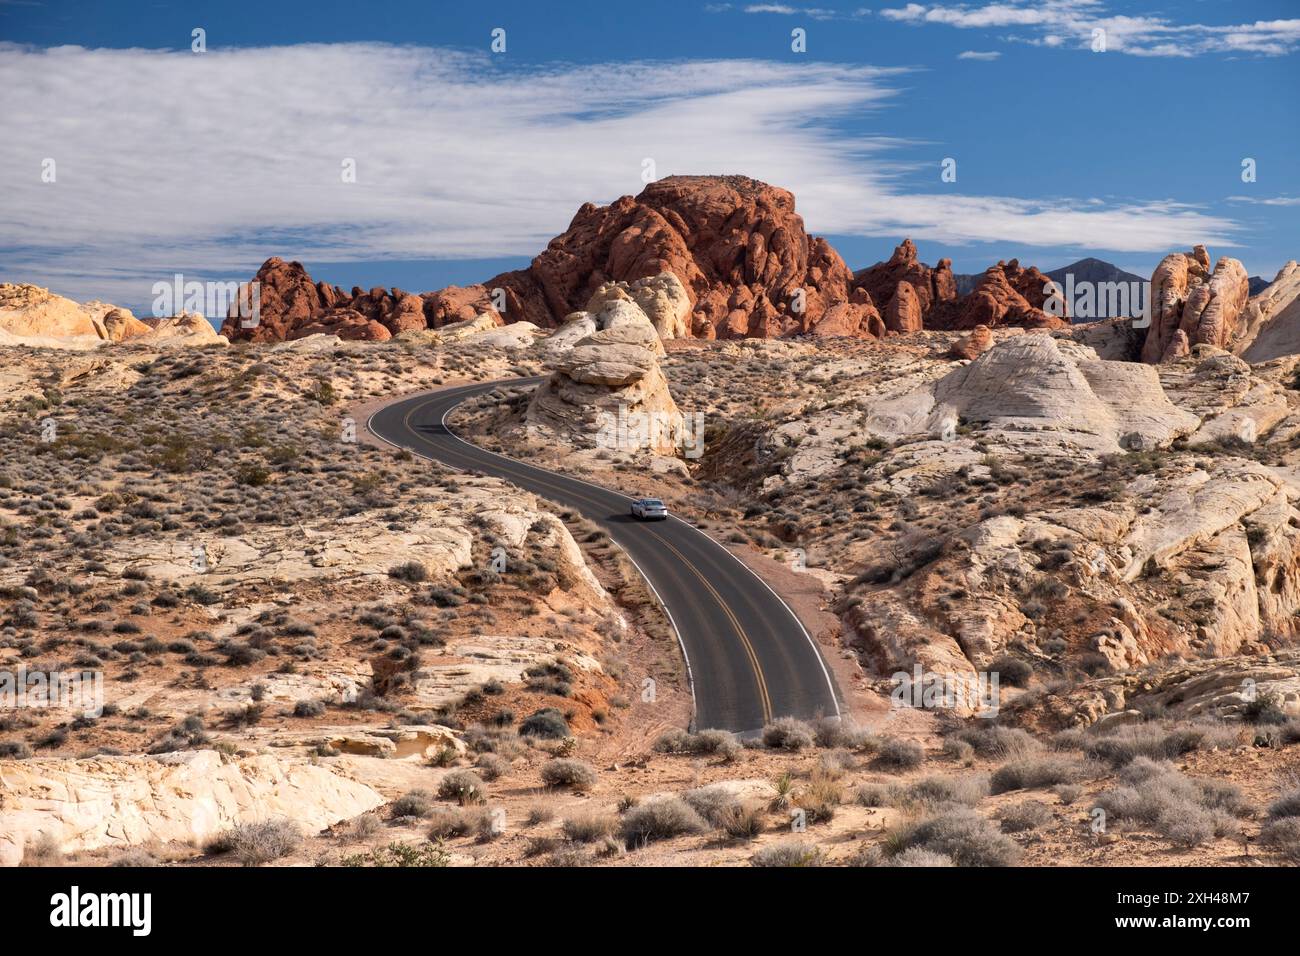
[749,657]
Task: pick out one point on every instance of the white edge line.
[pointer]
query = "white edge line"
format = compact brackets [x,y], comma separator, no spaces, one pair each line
[690,674]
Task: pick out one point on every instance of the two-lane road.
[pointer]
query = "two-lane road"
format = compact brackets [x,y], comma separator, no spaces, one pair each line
[749,657]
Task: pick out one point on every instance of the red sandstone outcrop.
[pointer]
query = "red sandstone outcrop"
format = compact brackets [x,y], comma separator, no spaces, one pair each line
[931,286]
[972,346]
[857,318]
[1006,294]
[738,248]
[1187,298]
[903,314]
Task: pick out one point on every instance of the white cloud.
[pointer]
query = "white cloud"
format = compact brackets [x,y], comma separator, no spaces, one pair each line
[985,55]
[1058,22]
[1267,201]
[813,13]
[207,164]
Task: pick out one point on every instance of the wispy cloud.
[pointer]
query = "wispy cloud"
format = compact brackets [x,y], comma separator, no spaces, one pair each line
[985,55]
[209,163]
[1075,24]
[812,13]
[1267,201]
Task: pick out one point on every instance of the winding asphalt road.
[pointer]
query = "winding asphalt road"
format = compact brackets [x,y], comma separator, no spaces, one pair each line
[749,657]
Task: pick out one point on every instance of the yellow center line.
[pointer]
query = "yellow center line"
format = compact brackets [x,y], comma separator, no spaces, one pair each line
[735,623]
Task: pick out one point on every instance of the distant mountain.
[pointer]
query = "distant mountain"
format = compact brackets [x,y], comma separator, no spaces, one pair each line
[1258,284]
[1094,270]
[966,283]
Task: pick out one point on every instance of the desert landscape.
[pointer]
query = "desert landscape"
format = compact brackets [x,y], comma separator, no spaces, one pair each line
[502,439]
[314,649]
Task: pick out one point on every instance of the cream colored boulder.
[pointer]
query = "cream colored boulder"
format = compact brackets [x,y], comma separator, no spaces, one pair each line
[189,797]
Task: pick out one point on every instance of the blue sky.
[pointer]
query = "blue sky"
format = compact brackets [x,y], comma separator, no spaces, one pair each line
[468,160]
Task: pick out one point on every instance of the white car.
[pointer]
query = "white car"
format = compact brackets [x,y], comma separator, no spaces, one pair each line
[649,509]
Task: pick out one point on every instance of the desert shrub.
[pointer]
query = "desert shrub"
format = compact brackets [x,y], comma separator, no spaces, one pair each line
[897,754]
[1286,805]
[787,733]
[741,821]
[569,856]
[547,723]
[1068,793]
[417,803]
[1282,836]
[412,571]
[788,853]
[563,772]
[819,798]
[1190,828]
[43,851]
[366,825]
[14,750]
[242,655]
[838,732]
[133,858]
[463,786]
[958,750]
[448,822]
[1032,773]
[991,740]
[720,742]
[1029,815]
[1012,670]
[1266,708]
[539,814]
[1188,812]
[784,786]
[919,856]
[959,833]
[400,855]
[874,795]
[253,844]
[308,708]
[969,790]
[1289,733]
[659,819]
[712,803]
[490,766]
[590,827]
[1125,744]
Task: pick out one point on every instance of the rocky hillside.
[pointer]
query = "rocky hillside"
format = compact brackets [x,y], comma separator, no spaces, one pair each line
[261,588]
[36,317]
[737,246]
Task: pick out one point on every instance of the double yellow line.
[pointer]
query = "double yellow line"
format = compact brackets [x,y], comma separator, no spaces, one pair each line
[740,631]
[759,679]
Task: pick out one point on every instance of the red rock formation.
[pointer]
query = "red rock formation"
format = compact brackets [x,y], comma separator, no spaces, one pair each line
[1006,294]
[903,314]
[972,346]
[346,324]
[737,245]
[1192,306]
[931,286]
[857,318]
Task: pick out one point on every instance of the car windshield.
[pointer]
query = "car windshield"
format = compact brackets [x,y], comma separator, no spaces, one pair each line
[652,502]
